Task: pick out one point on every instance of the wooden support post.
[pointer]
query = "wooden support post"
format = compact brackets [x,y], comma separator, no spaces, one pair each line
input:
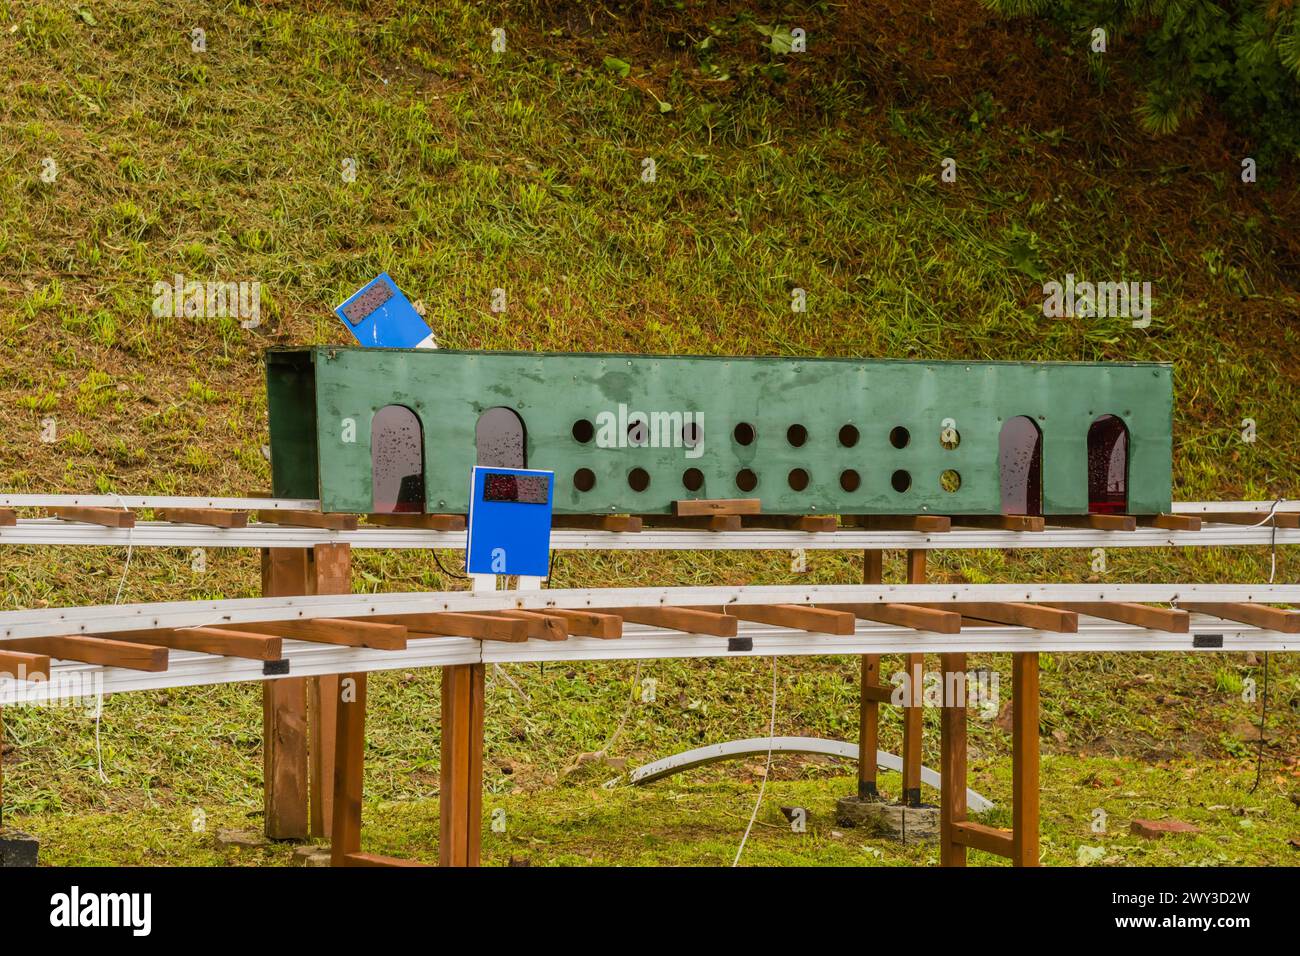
[912,712]
[329,572]
[868,706]
[348,766]
[284,715]
[1024,760]
[461,774]
[952,764]
[299,714]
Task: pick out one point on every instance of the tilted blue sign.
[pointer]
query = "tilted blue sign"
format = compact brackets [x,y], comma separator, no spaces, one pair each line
[379,315]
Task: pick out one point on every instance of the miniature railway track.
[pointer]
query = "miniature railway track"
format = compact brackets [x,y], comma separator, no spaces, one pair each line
[96,520]
[184,643]
[313,628]
[186,668]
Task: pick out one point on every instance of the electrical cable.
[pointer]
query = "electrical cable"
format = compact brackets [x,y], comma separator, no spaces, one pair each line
[767,772]
[450,574]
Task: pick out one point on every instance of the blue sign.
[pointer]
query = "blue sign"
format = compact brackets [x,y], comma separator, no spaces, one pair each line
[379,315]
[509,521]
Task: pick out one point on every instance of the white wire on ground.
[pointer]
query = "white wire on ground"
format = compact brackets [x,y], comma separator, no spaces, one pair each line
[771,734]
[627,711]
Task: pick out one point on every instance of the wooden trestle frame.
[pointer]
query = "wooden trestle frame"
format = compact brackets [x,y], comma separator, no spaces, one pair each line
[956,833]
[314,727]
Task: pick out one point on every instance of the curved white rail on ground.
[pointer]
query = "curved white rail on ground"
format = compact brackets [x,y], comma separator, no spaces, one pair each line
[758,746]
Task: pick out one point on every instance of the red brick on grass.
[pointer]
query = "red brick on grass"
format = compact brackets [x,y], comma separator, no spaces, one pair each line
[1156,829]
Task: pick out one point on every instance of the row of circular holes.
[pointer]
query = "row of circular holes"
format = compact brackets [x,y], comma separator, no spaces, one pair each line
[638,479]
[584,431]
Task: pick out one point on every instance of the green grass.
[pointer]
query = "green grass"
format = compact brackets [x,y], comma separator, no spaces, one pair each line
[523,171]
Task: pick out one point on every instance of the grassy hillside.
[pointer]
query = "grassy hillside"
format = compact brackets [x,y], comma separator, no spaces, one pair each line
[523,170]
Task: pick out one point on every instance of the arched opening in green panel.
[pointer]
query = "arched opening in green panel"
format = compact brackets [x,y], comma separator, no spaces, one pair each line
[396,461]
[500,438]
[1020,466]
[1108,466]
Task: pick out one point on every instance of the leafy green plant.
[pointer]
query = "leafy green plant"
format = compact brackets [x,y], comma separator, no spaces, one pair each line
[1244,53]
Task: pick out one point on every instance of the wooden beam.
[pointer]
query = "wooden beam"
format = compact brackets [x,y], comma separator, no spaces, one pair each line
[329,571]
[309,519]
[978,836]
[1024,760]
[371,859]
[1041,617]
[419,521]
[876,693]
[623,524]
[95,650]
[695,522]
[1170,522]
[23,664]
[285,776]
[483,627]
[341,631]
[1143,615]
[212,517]
[679,619]
[1283,519]
[8,517]
[928,524]
[349,765]
[221,641]
[460,787]
[810,524]
[952,767]
[1257,615]
[1002,522]
[541,627]
[817,620]
[916,616]
[607,627]
[717,506]
[1096,522]
[105,517]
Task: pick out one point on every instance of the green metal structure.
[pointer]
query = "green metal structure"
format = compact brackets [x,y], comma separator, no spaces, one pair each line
[635,433]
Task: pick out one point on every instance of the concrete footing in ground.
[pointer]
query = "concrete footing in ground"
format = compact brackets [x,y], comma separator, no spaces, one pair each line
[894,821]
[17,848]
